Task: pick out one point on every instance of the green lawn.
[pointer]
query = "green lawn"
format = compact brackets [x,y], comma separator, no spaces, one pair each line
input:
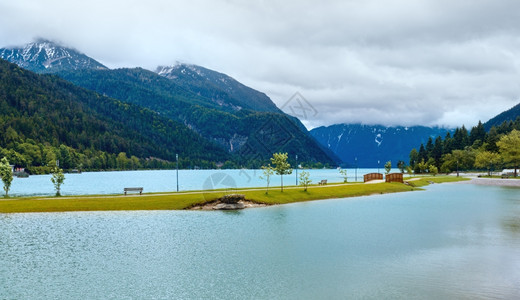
[176,201]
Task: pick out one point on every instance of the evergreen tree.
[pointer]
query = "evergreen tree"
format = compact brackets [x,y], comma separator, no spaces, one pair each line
[437,151]
[478,133]
[423,155]
[429,147]
[460,138]
[447,144]
[505,127]
[491,140]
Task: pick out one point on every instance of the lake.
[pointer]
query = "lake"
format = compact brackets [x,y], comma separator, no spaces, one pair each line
[93,183]
[453,241]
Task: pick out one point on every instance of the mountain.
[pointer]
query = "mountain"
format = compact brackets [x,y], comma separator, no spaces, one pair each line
[250,135]
[241,120]
[372,143]
[220,88]
[39,112]
[509,115]
[45,56]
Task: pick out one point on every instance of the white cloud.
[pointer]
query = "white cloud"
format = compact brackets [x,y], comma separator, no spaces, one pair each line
[393,62]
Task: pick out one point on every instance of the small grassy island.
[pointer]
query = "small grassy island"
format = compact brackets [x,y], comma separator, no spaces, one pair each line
[186,200]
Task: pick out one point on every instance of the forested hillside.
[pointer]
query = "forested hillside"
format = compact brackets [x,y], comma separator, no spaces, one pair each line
[243,122]
[507,116]
[222,89]
[252,136]
[44,118]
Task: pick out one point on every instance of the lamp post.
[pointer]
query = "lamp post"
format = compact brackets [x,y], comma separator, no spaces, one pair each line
[177,159]
[378,166]
[296,169]
[356,168]
[457,168]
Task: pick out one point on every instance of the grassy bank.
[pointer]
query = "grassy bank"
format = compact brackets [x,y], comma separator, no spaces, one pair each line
[177,201]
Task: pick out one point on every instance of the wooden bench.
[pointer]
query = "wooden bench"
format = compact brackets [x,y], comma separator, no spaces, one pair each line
[505,176]
[134,189]
[323,182]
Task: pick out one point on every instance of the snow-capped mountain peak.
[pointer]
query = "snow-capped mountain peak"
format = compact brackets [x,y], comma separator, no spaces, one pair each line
[44,56]
[220,88]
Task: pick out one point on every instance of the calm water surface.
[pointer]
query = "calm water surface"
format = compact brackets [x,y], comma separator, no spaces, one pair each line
[92,183]
[450,242]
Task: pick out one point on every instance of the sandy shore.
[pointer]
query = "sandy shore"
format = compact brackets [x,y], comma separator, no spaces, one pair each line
[212,205]
[493,181]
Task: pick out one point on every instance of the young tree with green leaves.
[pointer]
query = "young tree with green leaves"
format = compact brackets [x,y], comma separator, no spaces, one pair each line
[305,180]
[388,166]
[267,171]
[509,146]
[488,160]
[409,171]
[432,169]
[57,179]
[6,173]
[281,166]
[422,166]
[343,173]
[458,160]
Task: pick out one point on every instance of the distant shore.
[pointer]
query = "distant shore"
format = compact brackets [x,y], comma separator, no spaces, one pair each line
[494,181]
[186,200]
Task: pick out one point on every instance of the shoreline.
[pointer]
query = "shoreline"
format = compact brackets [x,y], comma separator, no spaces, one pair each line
[493,182]
[182,201]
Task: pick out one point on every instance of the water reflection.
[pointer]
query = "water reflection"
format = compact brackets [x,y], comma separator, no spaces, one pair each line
[451,242]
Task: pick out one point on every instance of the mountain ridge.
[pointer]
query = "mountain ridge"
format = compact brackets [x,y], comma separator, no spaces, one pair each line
[230,90]
[509,115]
[44,56]
[45,110]
[243,121]
[365,145]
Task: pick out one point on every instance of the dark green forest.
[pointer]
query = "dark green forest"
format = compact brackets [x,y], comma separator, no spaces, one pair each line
[465,150]
[251,136]
[506,116]
[44,118]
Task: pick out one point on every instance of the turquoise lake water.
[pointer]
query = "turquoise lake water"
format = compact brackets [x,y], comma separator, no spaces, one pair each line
[91,183]
[453,241]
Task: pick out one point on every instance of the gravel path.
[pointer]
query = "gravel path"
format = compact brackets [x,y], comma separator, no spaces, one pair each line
[493,181]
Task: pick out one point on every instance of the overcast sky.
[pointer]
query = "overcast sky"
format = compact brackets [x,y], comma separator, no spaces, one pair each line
[389,62]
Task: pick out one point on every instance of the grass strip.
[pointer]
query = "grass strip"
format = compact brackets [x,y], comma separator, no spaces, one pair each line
[177,201]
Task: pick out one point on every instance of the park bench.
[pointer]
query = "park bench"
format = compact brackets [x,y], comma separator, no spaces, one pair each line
[134,189]
[505,176]
[323,182]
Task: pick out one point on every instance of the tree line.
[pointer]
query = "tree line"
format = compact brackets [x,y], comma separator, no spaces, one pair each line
[475,149]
